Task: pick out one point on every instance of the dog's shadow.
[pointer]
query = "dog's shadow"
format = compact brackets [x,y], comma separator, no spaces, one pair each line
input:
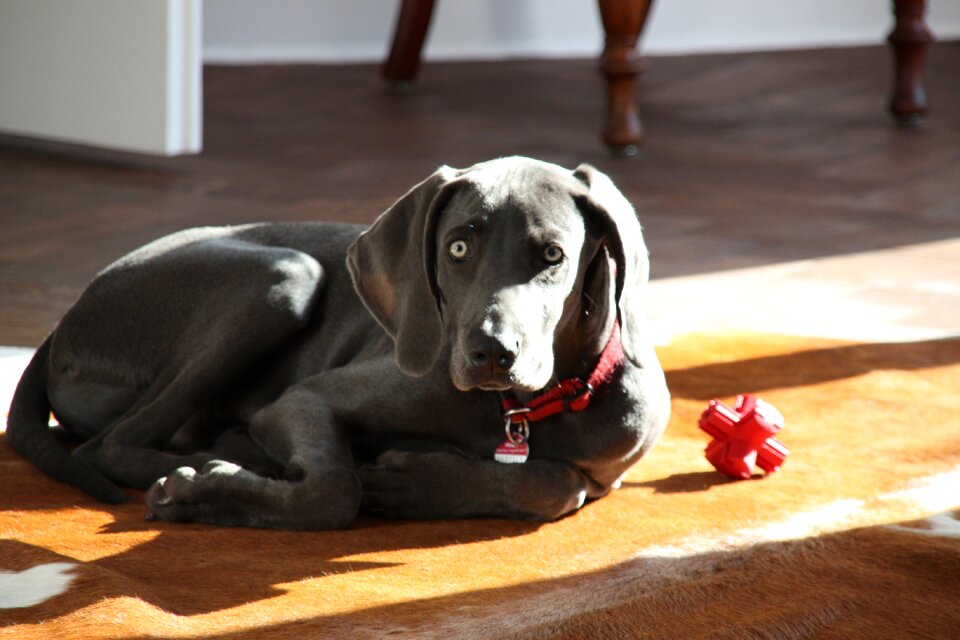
[190,569]
[197,569]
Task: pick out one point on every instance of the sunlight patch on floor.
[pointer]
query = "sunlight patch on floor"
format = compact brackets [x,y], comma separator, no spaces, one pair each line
[901,294]
[920,500]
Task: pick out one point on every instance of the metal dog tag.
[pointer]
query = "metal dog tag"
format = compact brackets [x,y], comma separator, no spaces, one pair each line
[514,450]
[510,453]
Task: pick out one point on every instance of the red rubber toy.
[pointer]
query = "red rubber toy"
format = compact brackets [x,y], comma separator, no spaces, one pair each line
[743,436]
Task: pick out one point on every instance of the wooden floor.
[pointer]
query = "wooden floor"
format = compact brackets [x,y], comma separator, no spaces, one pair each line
[751,159]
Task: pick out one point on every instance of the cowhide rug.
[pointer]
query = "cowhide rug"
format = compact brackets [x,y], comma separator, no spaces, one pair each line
[858,536]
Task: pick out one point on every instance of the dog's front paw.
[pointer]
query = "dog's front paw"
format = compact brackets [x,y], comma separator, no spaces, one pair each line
[415,485]
[181,496]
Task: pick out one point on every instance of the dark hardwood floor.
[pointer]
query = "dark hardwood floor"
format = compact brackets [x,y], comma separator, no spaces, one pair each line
[750,159]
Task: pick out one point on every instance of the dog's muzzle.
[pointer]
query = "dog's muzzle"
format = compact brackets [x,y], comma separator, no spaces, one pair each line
[491,361]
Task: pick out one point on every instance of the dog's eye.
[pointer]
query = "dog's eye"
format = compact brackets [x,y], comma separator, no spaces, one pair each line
[459,250]
[553,254]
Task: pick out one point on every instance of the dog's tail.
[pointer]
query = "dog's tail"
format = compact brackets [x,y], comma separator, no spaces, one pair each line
[28,432]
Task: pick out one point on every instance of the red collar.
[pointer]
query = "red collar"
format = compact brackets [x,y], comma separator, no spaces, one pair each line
[572,394]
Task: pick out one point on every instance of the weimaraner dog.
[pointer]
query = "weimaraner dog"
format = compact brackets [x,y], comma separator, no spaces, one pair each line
[479,351]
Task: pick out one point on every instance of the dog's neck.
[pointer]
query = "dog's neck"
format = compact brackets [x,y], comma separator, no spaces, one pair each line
[576,387]
[579,344]
[584,333]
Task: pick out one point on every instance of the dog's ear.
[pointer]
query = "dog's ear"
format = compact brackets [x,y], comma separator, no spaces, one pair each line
[624,239]
[392,265]
[599,304]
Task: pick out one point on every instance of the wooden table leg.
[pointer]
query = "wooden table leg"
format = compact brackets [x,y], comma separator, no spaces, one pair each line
[623,21]
[413,22]
[909,39]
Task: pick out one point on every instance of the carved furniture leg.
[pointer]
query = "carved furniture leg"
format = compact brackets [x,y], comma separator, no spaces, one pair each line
[623,20]
[909,39]
[413,21]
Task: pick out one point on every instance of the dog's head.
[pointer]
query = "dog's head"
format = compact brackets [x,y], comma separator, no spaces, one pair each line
[519,266]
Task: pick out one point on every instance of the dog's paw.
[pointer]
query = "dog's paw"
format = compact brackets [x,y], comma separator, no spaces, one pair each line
[402,484]
[224,493]
[182,496]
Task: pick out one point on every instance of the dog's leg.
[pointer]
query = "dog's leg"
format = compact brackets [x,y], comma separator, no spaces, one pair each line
[447,485]
[129,452]
[319,488]
[234,304]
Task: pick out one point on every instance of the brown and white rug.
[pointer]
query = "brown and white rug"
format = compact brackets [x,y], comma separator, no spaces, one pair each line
[858,536]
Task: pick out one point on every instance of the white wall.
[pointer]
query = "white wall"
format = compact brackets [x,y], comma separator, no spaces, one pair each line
[359,30]
[123,74]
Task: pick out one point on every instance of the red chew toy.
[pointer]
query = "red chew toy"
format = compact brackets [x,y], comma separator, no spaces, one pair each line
[743,436]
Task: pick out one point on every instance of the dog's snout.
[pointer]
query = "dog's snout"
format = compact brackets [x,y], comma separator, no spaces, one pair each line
[487,351]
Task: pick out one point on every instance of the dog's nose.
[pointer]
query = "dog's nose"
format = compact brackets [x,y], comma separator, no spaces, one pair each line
[487,351]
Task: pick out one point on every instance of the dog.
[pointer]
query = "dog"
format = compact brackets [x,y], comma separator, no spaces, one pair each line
[480,350]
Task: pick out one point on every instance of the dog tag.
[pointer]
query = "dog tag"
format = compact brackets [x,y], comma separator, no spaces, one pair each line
[510,453]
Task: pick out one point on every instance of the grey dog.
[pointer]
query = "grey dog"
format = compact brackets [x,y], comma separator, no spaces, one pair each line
[480,350]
